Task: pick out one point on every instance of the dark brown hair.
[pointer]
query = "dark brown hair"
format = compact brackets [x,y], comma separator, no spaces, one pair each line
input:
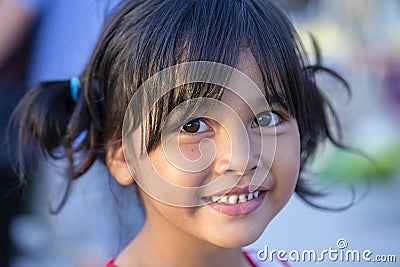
[144,37]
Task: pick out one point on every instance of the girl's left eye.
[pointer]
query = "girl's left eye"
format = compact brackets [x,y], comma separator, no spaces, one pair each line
[266,119]
[195,126]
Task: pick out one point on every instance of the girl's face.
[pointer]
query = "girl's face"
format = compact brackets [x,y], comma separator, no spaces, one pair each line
[232,218]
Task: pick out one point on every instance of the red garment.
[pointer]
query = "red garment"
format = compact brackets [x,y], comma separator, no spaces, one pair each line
[110,263]
[249,259]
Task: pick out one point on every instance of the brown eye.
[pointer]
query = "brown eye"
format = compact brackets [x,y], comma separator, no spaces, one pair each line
[195,126]
[266,119]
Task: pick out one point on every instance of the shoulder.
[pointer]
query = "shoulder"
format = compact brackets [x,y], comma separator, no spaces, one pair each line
[275,262]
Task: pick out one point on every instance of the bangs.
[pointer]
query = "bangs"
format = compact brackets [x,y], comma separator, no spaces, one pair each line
[215,31]
[278,51]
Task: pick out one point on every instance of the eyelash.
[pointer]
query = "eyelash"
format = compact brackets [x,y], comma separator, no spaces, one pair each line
[281,117]
[195,133]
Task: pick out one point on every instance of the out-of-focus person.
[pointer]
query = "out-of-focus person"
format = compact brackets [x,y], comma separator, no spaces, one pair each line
[15,24]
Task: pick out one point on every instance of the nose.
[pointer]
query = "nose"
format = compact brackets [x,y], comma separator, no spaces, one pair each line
[237,151]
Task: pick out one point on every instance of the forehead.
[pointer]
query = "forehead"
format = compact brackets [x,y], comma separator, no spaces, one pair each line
[271,88]
[248,65]
[246,86]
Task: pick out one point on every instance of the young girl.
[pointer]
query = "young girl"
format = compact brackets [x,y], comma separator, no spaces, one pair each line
[209,106]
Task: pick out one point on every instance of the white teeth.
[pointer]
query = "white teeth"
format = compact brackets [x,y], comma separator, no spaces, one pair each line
[242,198]
[224,199]
[214,198]
[234,199]
[255,194]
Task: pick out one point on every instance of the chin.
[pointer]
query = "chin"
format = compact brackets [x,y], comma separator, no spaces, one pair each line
[237,242]
[237,238]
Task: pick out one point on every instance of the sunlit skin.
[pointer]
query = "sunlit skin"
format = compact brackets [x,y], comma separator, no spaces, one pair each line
[203,236]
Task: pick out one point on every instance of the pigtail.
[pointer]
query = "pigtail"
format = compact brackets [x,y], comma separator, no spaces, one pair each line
[39,123]
[56,122]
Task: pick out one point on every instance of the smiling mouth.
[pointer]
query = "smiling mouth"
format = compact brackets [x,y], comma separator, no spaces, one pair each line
[235,199]
[237,204]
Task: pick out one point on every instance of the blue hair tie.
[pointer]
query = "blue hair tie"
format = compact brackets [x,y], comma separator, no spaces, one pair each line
[74,86]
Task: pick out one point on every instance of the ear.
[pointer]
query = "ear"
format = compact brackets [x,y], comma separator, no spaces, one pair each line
[116,163]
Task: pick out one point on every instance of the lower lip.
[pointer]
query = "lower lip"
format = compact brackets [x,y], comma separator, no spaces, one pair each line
[239,209]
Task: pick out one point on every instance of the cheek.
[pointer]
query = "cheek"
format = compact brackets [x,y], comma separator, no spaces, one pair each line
[175,174]
[286,164]
[190,152]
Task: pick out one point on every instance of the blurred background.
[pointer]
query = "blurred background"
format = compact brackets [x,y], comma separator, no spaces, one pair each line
[360,39]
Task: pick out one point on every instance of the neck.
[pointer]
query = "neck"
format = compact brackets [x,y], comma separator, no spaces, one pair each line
[166,245]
